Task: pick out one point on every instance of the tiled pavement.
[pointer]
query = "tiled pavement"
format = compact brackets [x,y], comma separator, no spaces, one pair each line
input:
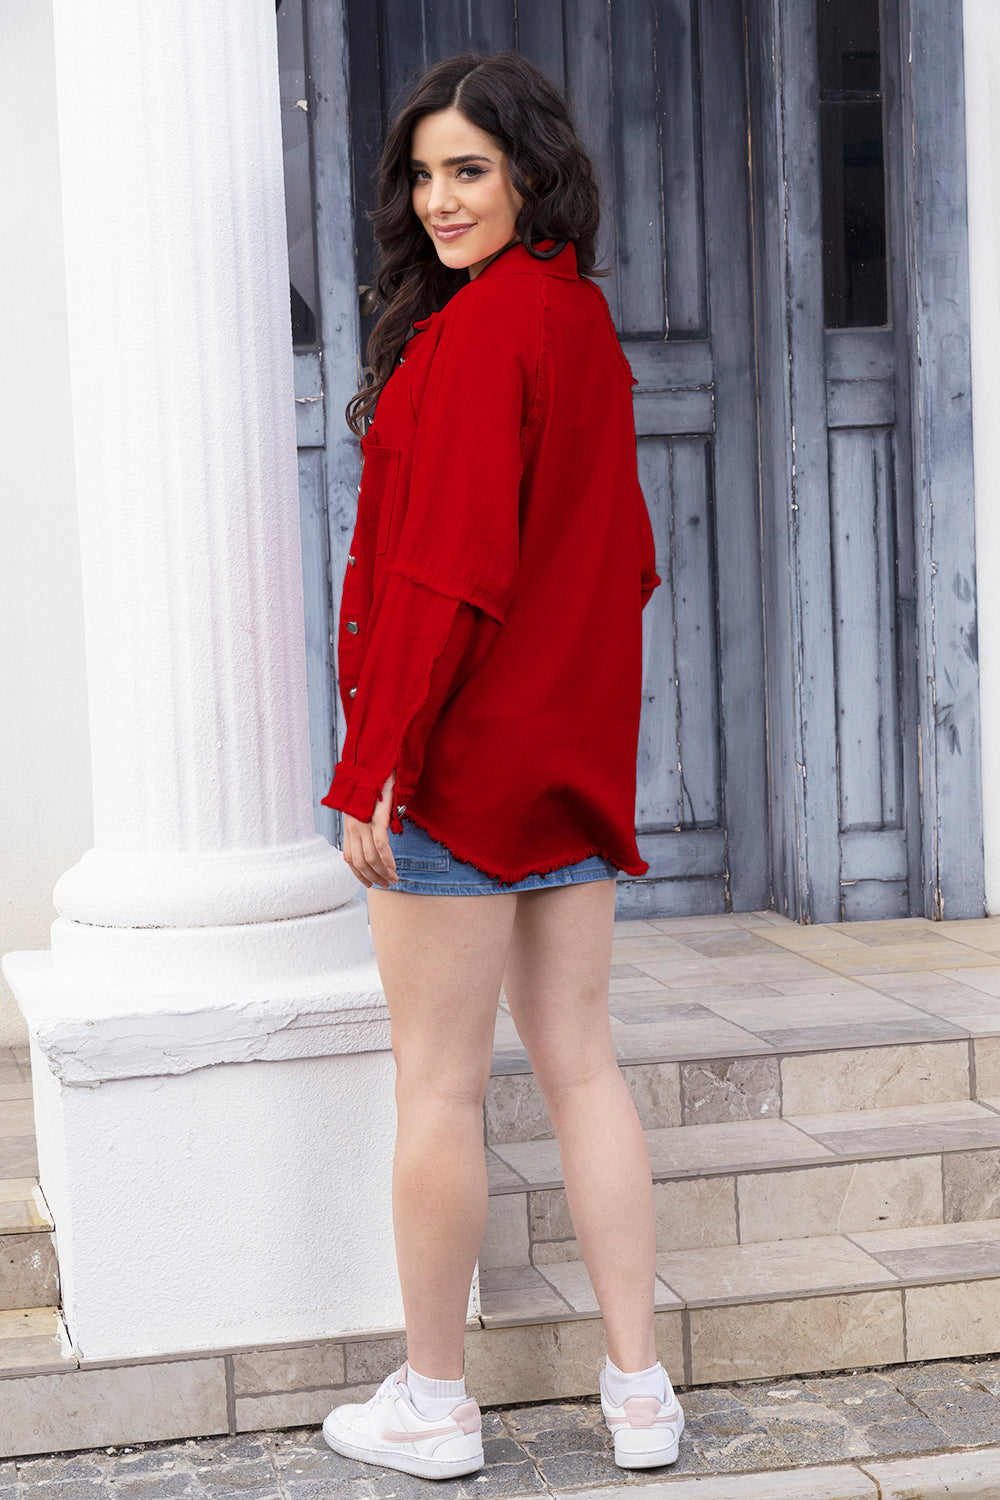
[851,1423]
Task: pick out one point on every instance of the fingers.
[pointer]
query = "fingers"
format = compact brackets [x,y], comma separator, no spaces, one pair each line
[367,851]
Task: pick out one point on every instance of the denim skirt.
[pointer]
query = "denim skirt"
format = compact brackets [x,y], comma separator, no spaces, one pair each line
[427,868]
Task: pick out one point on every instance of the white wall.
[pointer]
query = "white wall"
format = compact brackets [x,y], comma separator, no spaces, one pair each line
[45,804]
[982,104]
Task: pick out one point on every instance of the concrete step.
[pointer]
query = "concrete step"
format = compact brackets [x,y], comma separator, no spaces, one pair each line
[33,1341]
[750,1181]
[821,1303]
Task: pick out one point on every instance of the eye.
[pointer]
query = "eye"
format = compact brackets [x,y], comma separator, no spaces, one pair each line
[418,175]
[475,171]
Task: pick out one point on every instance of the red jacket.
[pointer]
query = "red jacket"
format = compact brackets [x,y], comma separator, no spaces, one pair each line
[490,643]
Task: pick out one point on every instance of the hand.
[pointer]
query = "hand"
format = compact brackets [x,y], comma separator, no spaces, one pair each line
[366,845]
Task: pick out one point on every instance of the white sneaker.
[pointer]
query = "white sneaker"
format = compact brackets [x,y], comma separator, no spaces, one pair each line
[389,1430]
[646,1431]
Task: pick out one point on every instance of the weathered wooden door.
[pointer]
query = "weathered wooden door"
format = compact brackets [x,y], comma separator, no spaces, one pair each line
[862,347]
[657,90]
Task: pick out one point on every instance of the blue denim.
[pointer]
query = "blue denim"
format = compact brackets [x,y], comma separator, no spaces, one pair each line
[427,868]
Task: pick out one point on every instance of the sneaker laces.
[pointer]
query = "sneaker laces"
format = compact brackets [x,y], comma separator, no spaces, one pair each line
[385,1388]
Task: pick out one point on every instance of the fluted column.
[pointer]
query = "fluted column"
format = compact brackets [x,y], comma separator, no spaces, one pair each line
[183,412]
[212,1079]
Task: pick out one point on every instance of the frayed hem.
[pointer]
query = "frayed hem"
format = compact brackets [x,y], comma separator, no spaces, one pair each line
[507,877]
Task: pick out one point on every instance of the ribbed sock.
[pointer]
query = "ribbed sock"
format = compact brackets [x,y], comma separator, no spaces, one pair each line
[434,1398]
[621,1384]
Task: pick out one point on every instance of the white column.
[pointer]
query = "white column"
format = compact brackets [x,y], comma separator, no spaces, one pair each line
[209,1038]
[981,22]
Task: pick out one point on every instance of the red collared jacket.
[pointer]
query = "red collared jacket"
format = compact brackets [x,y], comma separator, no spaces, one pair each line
[490,638]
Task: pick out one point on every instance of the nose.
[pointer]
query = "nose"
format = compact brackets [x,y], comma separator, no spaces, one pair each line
[442,198]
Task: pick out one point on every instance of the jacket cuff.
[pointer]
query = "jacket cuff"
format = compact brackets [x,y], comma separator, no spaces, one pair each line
[351,793]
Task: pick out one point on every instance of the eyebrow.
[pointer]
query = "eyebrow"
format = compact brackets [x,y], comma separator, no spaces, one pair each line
[453,161]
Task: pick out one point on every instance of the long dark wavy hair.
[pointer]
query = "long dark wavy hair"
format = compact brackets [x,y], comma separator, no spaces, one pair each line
[505,96]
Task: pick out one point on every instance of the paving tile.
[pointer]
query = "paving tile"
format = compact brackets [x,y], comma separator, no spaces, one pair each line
[135,1403]
[656,1093]
[987,1050]
[839,1199]
[971,1185]
[505,1242]
[777,1268]
[500,1176]
[538,1361]
[515,1110]
[926,954]
[948,1252]
[519,1294]
[264,1371]
[856,1007]
[29,1275]
[549,1216]
[629,980]
[882,1077]
[692,1149]
[17,1117]
[921,1028]
[967,1415]
[535,1162]
[912,1128]
[957,1318]
[740,1088]
[368,1360]
[22,1207]
[750,1340]
[290,1408]
[733,942]
[695,1211]
[682,1031]
[18,1156]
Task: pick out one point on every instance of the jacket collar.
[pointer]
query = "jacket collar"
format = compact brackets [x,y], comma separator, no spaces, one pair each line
[515,258]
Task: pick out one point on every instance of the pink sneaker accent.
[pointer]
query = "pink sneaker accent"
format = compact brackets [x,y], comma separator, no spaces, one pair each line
[468,1417]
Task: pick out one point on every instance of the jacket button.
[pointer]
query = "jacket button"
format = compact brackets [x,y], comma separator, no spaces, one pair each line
[401,808]
[351,560]
[352,626]
[352,692]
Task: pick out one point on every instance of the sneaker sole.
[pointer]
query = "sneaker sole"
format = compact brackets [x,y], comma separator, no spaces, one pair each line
[407,1463]
[648,1458]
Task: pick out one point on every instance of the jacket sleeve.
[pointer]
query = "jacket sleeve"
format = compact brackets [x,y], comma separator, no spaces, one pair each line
[460,532]
[424,646]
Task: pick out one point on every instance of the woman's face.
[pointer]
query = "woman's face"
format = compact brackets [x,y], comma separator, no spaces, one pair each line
[461,191]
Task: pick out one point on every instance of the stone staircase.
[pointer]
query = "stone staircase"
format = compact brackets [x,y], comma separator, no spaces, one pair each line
[822,1107]
[822,1110]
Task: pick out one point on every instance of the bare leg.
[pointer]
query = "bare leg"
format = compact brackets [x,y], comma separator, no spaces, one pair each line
[440,959]
[556,982]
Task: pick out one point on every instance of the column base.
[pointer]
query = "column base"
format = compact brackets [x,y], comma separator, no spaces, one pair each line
[216,1154]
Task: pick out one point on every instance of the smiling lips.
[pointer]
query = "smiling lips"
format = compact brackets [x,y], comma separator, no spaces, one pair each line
[450,231]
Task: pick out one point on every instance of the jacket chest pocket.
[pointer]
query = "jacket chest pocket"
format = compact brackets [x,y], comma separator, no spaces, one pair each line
[378,492]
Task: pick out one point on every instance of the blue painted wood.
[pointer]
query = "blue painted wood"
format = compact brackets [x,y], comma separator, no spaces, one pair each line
[794,479]
[863,526]
[310,411]
[937,242]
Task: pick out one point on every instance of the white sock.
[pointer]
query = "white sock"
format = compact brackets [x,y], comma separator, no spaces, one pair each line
[652,1382]
[434,1398]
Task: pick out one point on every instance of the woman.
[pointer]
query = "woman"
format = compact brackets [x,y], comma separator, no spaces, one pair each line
[490,670]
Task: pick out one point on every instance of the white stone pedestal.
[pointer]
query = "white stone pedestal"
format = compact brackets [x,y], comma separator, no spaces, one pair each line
[213,1091]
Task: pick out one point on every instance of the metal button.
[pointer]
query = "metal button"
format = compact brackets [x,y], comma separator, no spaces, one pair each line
[352,692]
[351,560]
[352,626]
[401,808]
